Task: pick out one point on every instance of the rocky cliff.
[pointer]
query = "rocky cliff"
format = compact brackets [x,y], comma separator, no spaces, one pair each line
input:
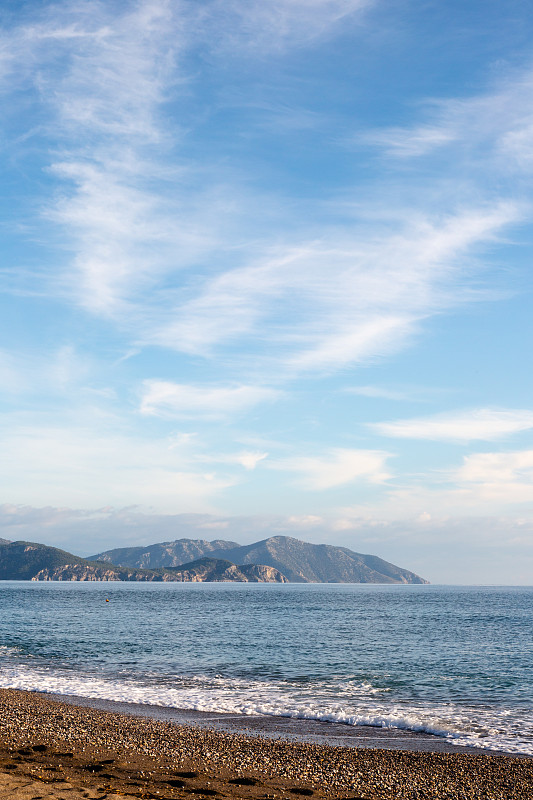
[218,569]
[88,572]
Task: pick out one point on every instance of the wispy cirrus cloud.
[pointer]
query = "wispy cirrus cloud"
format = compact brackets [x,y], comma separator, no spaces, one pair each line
[160,249]
[61,372]
[248,459]
[174,400]
[336,467]
[99,68]
[493,126]
[381,392]
[417,141]
[102,84]
[477,424]
[98,80]
[332,302]
[281,23]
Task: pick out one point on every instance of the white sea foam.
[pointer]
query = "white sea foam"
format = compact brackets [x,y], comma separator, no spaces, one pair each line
[477,727]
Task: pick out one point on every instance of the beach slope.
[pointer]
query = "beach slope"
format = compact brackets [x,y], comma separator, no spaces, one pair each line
[52,750]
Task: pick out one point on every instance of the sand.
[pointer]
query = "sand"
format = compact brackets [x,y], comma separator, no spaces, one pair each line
[60,751]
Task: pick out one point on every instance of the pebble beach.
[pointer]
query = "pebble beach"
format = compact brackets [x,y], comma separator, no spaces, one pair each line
[53,750]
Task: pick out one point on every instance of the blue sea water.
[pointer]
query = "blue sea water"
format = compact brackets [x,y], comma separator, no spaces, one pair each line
[453,661]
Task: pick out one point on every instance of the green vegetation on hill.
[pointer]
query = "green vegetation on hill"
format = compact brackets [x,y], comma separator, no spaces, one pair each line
[22,560]
[33,561]
[165,554]
[300,562]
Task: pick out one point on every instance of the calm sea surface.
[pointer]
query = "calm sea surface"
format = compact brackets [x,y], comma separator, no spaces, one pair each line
[454,661]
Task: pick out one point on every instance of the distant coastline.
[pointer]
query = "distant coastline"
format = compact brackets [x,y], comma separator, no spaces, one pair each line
[279,559]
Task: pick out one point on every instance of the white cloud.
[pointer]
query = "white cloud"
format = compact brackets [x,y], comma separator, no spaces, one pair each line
[215,525]
[59,372]
[337,467]
[482,424]
[325,304]
[494,126]
[305,521]
[250,460]
[12,381]
[489,483]
[379,392]
[105,72]
[174,400]
[98,79]
[281,24]
[318,299]
[101,80]
[132,209]
[74,463]
[355,343]
[407,143]
[496,478]
[247,459]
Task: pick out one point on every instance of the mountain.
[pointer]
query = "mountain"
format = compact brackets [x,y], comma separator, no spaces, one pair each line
[38,562]
[165,554]
[22,560]
[300,562]
[219,569]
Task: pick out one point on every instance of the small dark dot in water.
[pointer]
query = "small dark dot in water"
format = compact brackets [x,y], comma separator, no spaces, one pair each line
[39,748]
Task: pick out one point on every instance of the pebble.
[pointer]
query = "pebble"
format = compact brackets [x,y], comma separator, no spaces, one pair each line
[32,723]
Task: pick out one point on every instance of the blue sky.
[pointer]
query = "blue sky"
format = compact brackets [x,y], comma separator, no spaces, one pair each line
[266,268]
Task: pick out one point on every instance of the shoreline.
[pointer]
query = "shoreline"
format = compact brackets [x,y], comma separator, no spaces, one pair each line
[294,729]
[59,750]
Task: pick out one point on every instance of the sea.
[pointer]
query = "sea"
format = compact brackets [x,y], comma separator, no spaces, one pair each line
[452,662]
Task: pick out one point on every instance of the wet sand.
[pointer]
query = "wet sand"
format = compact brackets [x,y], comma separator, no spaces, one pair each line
[273,727]
[54,750]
